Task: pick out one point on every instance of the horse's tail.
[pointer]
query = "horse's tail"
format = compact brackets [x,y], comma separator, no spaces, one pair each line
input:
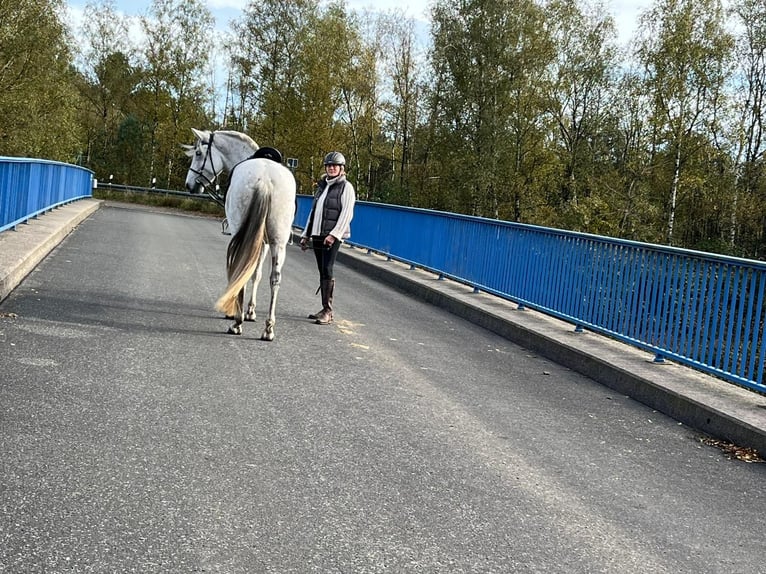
[244,251]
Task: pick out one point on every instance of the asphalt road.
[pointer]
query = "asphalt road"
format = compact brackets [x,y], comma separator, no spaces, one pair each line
[136,436]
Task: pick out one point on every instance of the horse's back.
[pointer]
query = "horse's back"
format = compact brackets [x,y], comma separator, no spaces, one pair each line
[261,176]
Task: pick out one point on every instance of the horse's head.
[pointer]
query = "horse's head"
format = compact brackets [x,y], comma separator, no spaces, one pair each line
[206,163]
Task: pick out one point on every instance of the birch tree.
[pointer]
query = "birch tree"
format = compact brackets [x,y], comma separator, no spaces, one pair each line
[177,58]
[110,77]
[684,50]
[748,218]
[401,64]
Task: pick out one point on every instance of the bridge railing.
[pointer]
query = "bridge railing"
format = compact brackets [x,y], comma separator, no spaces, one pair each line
[699,309]
[703,310]
[30,187]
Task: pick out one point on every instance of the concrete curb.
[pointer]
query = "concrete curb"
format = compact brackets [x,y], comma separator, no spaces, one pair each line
[709,405]
[21,250]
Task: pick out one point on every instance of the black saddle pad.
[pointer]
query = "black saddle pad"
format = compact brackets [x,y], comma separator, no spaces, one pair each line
[269,153]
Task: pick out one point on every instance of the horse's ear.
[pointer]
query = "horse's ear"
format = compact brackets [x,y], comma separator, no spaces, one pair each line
[198,134]
[188,149]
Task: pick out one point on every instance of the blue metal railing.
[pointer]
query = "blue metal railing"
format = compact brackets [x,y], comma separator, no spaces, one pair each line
[30,187]
[699,309]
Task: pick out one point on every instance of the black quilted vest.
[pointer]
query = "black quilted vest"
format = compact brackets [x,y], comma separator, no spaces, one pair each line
[333,203]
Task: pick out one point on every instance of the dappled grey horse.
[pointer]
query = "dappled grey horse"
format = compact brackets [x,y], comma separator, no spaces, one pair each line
[260,208]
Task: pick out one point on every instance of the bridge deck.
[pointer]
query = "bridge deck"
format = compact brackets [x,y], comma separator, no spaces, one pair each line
[402,437]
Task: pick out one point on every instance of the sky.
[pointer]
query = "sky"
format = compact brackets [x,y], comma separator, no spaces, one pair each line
[626,12]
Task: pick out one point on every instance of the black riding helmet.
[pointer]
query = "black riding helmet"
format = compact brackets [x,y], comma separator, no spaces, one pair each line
[334,158]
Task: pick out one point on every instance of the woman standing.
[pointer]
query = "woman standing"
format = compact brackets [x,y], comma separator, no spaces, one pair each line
[329,223]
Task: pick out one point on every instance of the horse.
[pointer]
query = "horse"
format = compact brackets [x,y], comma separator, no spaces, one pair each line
[260,209]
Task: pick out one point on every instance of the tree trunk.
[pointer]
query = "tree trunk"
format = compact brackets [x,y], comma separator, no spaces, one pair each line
[674,194]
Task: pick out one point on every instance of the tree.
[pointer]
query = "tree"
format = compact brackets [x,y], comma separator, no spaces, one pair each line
[305,82]
[627,137]
[355,87]
[177,58]
[748,139]
[109,80]
[280,67]
[38,99]
[486,105]
[399,60]
[684,51]
[581,82]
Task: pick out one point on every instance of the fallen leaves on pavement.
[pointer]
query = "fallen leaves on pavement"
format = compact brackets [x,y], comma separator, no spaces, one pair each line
[733,451]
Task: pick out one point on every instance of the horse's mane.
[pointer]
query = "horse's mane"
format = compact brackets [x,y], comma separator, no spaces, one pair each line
[240,136]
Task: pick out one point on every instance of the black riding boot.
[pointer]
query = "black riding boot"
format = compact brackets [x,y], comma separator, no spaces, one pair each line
[321,288]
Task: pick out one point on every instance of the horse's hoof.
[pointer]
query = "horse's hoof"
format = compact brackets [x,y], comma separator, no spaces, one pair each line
[235,330]
[250,317]
[267,337]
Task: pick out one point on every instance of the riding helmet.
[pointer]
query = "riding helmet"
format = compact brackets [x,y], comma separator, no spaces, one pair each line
[334,158]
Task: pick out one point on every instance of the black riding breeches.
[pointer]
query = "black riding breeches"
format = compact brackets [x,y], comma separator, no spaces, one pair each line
[325,256]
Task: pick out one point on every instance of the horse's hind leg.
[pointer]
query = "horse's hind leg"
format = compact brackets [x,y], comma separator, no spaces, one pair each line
[239,318]
[256,279]
[277,260]
[250,314]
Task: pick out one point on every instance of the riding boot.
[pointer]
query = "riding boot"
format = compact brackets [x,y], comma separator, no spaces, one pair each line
[322,288]
[325,315]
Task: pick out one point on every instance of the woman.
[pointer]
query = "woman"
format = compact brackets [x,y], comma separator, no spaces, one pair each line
[329,223]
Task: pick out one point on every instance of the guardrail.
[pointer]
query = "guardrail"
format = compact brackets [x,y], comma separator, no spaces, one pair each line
[159,191]
[30,187]
[209,195]
[699,309]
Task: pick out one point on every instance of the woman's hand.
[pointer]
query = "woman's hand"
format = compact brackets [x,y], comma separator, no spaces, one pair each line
[304,243]
[329,240]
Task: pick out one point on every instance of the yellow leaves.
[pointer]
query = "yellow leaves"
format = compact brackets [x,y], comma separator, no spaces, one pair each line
[733,451]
